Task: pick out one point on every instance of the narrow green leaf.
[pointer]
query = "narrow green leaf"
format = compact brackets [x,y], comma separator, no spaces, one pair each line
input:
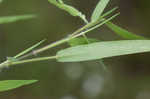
[122,32]
[103,50]
[81,41]
[29,49]
[99,10]
[71,10]
[10,19]
[12,84]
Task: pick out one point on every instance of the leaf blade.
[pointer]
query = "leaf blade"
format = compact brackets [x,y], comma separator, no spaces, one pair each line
[12,84]
[99,9]
[103,50]
[122,32]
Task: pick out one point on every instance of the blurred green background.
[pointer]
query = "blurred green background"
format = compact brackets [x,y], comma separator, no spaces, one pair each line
[128,77]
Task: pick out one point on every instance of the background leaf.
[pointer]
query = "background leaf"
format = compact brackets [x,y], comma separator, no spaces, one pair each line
[122,32]
[99,10]
[11,84]
[10,19]
[102,50]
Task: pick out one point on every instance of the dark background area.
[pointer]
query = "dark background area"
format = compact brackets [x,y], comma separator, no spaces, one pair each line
[128,77]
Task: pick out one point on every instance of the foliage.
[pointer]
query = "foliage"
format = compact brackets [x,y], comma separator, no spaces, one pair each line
[82,48]
[99,10]
[12,84]
[103,50]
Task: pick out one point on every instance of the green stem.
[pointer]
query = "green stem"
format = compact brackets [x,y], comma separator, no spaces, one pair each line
[90,24]
[68,38]
[51,45]
[73,35]
[86,38]
[8,63]
[105,21]
[4,64]
[32,60]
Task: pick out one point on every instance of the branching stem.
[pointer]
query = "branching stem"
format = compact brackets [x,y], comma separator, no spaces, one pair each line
[89,27]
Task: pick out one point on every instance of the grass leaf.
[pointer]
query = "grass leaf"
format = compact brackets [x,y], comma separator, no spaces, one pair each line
[122,32]
[12,84]
[99,10]
[29,49]
[71,10]
[101,50]
[10,19]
